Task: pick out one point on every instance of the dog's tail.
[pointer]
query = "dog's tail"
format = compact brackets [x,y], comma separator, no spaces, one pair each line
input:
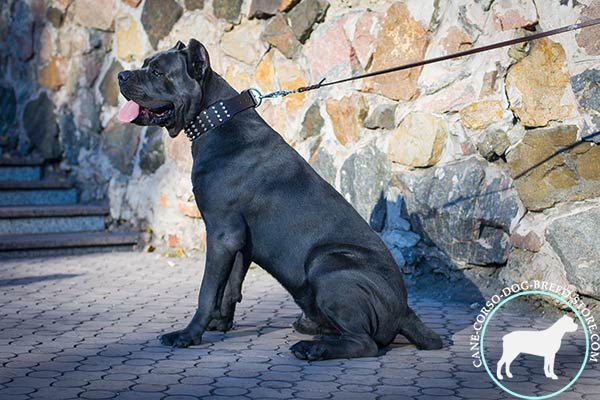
[415,330]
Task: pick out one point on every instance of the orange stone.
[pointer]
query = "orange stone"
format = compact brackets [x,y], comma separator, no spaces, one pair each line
[265,73]
[173,240]
[347,116]
[237,79]
[189,209]
[402,40]
[132,3]
[53,75]
[163,201]
[456,40]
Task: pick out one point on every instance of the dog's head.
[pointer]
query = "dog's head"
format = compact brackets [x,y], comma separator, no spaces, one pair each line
[567,324]
[168,90]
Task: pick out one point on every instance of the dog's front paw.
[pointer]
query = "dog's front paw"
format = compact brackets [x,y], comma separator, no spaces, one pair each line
[309,350]
[183,338]
[220,324]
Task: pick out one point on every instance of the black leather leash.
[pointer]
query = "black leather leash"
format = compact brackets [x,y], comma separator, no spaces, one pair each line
[222,111]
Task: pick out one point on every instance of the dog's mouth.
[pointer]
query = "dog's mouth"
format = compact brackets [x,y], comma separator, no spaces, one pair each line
[136,113]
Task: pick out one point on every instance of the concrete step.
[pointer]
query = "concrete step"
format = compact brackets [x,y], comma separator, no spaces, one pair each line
[41,192]
[38,245]
[20,173]
[52,218]
[21,169]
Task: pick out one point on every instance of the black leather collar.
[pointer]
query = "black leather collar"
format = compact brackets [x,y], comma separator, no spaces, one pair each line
[220,112]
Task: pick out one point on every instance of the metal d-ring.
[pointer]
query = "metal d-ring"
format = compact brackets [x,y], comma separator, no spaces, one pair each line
[256,95]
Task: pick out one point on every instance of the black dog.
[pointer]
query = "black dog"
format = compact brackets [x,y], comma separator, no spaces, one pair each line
[262,202]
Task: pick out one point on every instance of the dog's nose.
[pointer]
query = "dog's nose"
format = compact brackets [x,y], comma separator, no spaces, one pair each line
[124,76]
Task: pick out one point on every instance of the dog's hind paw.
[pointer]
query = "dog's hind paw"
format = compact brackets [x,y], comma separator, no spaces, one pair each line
[309,350]
[220,324]
[180,339]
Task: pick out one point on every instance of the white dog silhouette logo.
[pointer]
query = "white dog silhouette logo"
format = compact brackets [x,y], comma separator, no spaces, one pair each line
[545,343]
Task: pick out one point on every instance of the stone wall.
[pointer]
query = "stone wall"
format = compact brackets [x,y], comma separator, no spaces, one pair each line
[485,165]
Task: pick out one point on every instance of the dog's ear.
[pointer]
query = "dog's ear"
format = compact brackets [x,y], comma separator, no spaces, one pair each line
[198,62]
[179,45]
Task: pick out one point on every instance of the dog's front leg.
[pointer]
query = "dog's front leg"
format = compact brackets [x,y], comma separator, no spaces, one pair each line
[222,248]
[231,296]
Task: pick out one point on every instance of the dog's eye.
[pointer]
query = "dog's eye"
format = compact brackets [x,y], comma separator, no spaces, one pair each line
[156,73]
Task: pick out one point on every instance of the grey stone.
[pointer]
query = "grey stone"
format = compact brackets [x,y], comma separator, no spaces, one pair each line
[8,109]
[263,9]
[109,86]
[378,215]
[399,242]
[587,89]
[69,135]
[592,133]
[363,177]
[194,4]
[152,154]
[312,122]
[23,31]
[305,15]
[97,38]
[394,204]
[39,121]
[575,239]
[279,35]
[381,117]
[465,208]
[55,16]
[323,163]
[158,18]
[87,111]
[228,10]
[72,138]
[92,64]
[120,142]
[493,144]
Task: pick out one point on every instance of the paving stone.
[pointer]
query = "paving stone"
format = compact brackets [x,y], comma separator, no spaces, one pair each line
[232,391]
[190,390]
[177,397]
[148,388]
[313,395]
[98,394]
[96,340]
[56,393]
[353,396]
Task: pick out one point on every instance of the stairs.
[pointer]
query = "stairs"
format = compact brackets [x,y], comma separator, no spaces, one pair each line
[40,216]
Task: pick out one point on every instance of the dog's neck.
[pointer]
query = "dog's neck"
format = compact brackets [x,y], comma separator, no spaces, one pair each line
[216,88]
[220,105]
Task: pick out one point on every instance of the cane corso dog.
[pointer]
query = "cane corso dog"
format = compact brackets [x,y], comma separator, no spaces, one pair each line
[261,202]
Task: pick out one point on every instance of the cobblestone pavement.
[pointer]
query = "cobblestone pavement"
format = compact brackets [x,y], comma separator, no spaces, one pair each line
[86,327]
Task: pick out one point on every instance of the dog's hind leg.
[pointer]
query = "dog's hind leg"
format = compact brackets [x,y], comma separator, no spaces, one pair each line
[307,326]
[346,308]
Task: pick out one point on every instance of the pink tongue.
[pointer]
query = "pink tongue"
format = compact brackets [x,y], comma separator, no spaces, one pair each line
[129,112]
